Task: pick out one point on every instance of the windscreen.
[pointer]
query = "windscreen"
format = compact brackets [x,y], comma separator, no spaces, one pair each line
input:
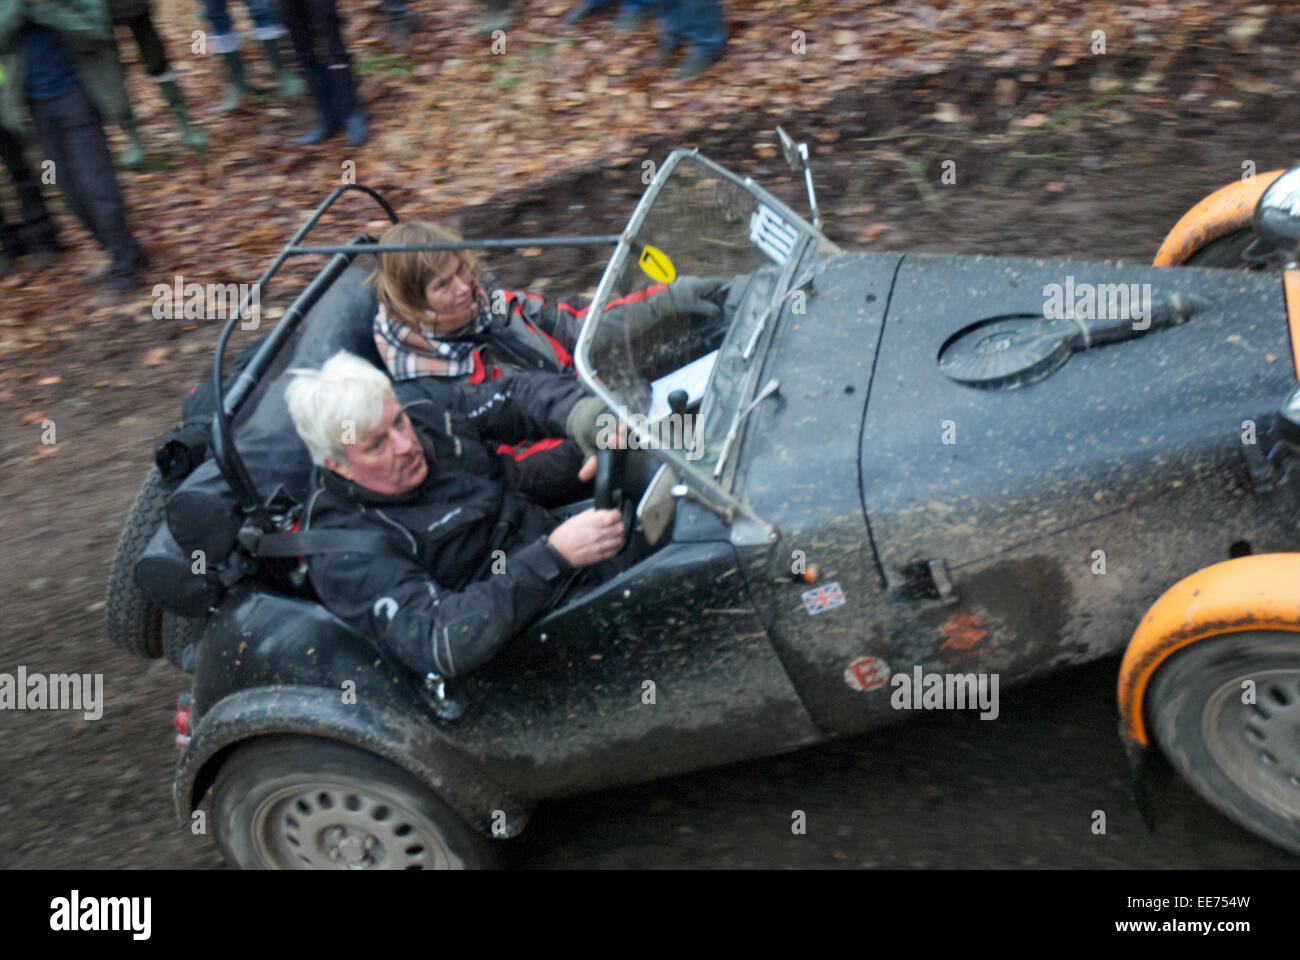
[704,256]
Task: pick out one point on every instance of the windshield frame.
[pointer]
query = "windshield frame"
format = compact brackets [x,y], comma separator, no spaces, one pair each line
[717,490]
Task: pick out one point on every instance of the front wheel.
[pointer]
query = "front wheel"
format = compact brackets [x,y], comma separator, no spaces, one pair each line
[1226,712]
[1226,252]
[303,803]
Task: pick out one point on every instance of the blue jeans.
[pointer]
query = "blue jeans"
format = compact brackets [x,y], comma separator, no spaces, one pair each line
[697,23]
[266,23]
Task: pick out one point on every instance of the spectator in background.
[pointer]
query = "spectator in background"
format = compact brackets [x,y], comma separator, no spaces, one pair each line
[402,21]
[35,233]
[134,15]
[317,34]
[697,24]
[630,12]
[268,29]
[497,15]
[59,56]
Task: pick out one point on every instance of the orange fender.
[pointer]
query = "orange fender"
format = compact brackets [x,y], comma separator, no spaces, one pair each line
[1250,593]
[1226,209]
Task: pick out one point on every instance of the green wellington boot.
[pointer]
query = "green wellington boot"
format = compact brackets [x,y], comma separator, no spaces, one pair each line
[191,136]
[238,82]
[133,155]
[290,84]
[497,15]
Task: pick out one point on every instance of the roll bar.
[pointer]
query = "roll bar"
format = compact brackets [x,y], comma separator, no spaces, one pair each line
[229,462]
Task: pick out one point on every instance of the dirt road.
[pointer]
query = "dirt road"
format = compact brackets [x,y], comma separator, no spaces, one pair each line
[939,791]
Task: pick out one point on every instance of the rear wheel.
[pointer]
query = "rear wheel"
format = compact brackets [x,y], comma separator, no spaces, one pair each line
[1226,712]
[178,633]
[303,803]
[135,624]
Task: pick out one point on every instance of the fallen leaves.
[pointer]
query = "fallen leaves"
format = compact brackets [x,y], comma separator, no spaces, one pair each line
[157,356]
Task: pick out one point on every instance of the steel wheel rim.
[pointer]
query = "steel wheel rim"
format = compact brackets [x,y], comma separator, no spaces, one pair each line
[338,824]
[1258,745]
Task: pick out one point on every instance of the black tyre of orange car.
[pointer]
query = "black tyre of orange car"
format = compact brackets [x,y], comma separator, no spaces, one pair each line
[1226,252]
[133,623]
[1226,713]
[302,803]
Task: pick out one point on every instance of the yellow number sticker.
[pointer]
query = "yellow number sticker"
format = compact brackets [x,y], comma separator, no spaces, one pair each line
[657,265]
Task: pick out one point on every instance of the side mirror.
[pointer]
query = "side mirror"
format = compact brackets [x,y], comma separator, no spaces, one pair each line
[1289,422]
[796,155]
[796,158]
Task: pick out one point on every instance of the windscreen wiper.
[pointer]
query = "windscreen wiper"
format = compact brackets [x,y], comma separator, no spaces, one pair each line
[771,308]
[770,388]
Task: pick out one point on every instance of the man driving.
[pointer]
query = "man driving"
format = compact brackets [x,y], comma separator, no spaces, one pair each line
[469,558]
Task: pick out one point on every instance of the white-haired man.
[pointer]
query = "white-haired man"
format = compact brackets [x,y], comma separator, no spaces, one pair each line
[474,558]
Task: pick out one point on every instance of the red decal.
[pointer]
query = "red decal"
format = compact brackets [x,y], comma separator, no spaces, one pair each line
[963,631]
[867,673]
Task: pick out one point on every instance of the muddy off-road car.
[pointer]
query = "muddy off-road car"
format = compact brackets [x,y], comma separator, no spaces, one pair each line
[909,481]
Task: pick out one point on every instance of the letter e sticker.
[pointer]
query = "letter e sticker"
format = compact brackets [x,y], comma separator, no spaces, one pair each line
[867,673]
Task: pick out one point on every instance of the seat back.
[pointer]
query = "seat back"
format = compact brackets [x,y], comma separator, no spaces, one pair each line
[203,514]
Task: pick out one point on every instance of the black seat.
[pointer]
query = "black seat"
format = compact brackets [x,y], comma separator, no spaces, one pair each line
[203,514]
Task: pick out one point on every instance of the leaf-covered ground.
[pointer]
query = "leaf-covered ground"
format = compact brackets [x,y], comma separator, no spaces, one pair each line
[1060,151]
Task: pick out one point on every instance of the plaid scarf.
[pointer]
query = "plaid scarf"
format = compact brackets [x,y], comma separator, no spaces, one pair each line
[408,353]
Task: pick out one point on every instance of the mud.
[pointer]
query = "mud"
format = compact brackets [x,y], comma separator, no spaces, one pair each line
[1101,179]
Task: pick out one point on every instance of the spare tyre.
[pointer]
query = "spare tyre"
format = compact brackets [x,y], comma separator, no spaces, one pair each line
[133,622]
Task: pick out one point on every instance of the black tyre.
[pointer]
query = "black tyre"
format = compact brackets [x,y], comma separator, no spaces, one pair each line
[178,633]
[303,803]
[1244,758]
[1226,252]
[135,624]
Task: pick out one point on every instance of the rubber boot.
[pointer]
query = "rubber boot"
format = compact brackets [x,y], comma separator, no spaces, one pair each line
[497,15]
[133,155]
[191,136]
[319,85]
[343,92]
[290,85]
[238,82]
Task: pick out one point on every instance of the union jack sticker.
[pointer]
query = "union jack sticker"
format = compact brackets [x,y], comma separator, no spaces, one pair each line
[823,598]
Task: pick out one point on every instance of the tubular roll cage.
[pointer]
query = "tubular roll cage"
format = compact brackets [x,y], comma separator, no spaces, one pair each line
[227,456]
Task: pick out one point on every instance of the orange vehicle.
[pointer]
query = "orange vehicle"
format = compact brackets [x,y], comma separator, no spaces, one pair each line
[1212,674]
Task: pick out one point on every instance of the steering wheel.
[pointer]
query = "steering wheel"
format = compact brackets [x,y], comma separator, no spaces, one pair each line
[609,479]
[608,492]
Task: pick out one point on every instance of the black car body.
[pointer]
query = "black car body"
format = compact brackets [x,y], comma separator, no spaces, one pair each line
[946,479]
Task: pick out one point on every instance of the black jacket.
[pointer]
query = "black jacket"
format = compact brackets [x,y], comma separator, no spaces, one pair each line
[443,599]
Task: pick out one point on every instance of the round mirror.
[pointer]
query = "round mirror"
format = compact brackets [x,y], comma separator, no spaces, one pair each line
[1277,215]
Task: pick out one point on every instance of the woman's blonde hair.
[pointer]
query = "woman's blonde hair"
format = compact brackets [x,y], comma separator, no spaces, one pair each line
[399,279]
